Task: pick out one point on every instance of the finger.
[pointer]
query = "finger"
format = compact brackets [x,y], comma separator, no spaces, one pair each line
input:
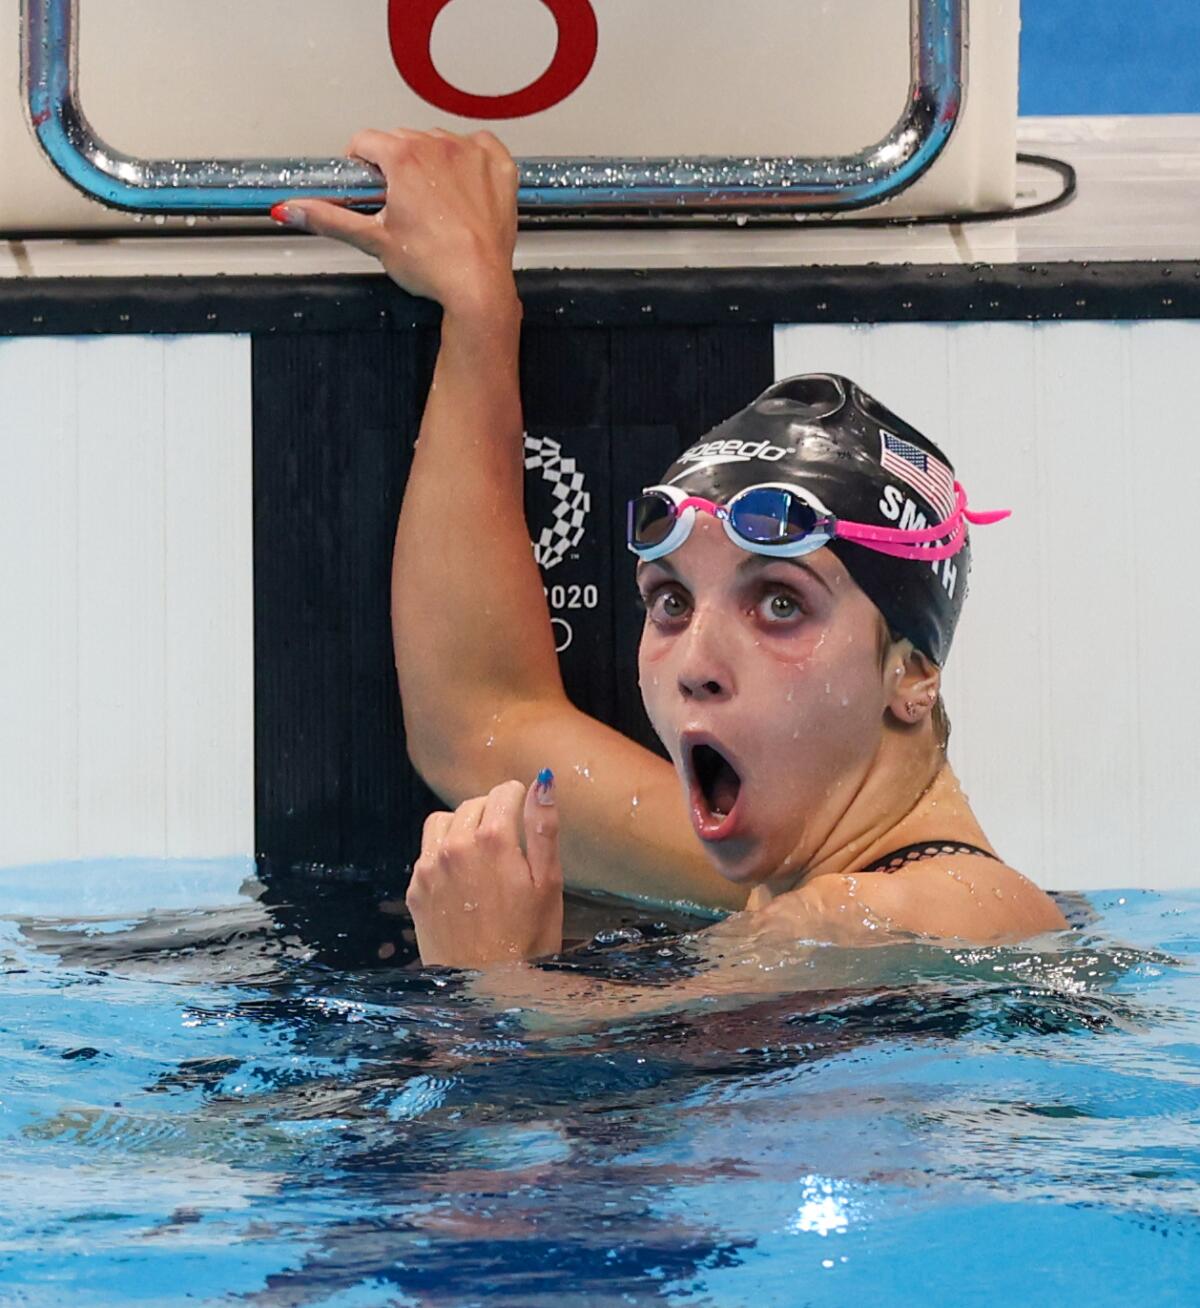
[325,218]
[434,833]
[381,148]
[496,153]
[541,831]
[466,818]
[491,143]
[501,821]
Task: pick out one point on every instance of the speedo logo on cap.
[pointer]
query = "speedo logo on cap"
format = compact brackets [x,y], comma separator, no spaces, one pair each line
[732,451]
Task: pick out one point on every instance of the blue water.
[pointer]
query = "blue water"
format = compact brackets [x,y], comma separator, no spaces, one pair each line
[209,1097]
[1110,57]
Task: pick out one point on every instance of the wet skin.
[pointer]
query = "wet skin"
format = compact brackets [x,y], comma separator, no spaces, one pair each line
[777,664]
[781,668]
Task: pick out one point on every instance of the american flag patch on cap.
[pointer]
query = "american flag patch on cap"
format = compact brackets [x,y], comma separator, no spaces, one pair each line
[925,473]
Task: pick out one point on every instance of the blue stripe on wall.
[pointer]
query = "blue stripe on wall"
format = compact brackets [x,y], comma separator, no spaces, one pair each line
[1110,57]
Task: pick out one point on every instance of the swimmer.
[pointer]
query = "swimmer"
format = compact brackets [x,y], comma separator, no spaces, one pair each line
[802,569]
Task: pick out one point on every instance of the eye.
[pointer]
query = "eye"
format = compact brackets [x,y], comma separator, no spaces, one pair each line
[665,606]
[780,606]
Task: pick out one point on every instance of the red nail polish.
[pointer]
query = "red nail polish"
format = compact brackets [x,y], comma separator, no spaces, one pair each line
[280,213]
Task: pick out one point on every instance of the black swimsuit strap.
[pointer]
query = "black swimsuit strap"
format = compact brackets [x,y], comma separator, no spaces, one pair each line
[899,858]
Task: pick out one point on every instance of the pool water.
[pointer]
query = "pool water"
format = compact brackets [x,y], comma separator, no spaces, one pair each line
[250,1096]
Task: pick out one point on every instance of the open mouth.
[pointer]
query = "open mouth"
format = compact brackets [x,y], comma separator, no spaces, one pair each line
[718,780]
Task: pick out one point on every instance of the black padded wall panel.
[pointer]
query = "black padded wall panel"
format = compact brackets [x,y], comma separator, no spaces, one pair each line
[335,417]
[629,298]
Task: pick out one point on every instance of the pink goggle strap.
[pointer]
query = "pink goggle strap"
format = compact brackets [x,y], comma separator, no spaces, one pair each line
[695,502]
[919,545]
[916,545]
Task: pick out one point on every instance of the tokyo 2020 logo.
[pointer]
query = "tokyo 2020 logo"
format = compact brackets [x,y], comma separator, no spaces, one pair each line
[571,501]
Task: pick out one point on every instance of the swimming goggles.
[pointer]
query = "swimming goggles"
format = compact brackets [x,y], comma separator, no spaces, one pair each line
[785,521]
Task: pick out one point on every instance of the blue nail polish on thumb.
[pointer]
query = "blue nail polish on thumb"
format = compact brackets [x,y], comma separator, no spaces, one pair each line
[545,787]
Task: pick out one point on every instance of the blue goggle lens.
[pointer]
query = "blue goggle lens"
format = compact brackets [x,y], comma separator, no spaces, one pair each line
[769,516]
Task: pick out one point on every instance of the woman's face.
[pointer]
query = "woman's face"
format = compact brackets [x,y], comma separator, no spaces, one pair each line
[763,679]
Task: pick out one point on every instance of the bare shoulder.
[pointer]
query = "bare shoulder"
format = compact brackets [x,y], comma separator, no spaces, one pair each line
[961,897]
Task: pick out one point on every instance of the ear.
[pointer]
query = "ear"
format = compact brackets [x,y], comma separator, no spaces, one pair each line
[914,682]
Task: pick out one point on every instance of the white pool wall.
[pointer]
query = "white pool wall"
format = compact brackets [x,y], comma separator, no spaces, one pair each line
[1072,688]
[126,598]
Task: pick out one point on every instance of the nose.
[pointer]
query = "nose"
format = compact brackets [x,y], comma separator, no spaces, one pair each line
[701,690]
[704,671]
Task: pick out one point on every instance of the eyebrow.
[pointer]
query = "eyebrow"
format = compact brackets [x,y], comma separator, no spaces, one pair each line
[751,563]
[644,567]
[756,562]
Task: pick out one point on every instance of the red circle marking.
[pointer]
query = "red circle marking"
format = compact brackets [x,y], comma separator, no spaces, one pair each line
[410,30]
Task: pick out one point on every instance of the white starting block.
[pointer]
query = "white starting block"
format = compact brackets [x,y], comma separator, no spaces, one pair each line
[613,106]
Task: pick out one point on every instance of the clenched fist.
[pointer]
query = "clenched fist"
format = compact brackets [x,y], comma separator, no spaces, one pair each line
[476,897]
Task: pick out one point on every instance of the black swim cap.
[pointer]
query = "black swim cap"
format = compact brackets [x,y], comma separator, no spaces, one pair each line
[824,434]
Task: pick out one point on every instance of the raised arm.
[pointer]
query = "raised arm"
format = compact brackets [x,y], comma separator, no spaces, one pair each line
[479,679]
